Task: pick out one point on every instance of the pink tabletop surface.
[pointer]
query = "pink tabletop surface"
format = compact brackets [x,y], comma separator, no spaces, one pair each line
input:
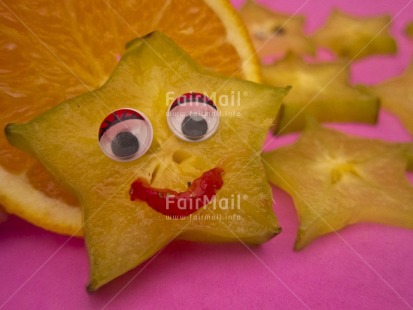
[366,266]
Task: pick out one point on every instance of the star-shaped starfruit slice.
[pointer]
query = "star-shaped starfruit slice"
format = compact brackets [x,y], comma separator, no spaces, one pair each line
[396,95]
[355,37]
[275,33]
[337,180]
[163,150]
[321,90]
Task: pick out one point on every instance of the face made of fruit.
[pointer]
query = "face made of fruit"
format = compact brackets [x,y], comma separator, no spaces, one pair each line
[152,74]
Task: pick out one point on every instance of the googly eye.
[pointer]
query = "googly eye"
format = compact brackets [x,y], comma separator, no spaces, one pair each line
[125,135]
[193,117]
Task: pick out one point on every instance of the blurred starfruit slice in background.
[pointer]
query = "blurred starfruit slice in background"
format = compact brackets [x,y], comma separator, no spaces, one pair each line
[320,90]
[356,37]
[396,95]
[274,33]
[408,30]
[120,233]
[337,180]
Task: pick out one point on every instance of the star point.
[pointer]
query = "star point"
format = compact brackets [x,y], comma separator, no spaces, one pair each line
[396,95]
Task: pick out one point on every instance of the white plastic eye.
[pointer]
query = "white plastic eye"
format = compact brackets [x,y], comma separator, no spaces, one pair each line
[193,117]
[125,135]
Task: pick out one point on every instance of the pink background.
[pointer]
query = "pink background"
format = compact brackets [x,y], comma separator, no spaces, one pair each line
[367,266]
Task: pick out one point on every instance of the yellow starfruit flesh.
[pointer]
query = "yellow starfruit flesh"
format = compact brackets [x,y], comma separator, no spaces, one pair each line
[396,95]
[355,37]
[276,33]
[321,90]
[408,30]
[337,180]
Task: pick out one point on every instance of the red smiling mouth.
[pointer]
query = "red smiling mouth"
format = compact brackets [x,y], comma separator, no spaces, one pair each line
[168,202]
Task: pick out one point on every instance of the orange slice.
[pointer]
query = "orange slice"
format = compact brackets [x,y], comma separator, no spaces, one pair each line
[54,50]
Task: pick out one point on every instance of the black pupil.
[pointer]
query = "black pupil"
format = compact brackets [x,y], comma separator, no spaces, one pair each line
[125,144]
[194,127]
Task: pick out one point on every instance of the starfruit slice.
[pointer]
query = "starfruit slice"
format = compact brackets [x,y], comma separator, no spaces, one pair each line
[337,180]
[409,30]
[150,78]
[396,95]
[355,37]
[276,33]
[321,90]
